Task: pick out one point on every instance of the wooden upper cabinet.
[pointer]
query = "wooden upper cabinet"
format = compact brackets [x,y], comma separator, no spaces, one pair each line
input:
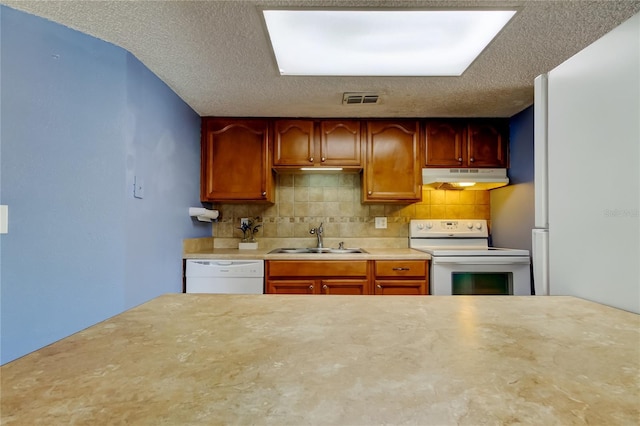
[235,162]
[340,143]
[293,143]
[488,143]
[466,143]
[445,143]
[311,143]
[392,173]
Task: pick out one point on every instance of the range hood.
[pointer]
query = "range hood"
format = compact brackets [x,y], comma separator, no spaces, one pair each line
[467,179]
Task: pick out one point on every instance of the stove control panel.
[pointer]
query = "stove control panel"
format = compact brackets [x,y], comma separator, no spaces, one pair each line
[448,228]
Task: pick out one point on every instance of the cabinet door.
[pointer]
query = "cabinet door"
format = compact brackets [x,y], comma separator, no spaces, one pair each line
[340,144]
[445,144]
[392,172]
[488,143]
[235,161]
[344,286]
[297,286]
[293,143]
[400,287]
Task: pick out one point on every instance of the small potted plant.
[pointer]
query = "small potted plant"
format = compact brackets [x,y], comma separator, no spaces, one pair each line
[249,228]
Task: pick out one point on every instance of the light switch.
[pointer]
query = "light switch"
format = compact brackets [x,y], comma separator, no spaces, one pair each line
[4,219]
[138,187]
[381,223]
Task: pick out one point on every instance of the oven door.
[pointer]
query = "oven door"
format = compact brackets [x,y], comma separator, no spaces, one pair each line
[480,275]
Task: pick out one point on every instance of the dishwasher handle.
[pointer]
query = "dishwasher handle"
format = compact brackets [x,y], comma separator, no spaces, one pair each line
[225,268]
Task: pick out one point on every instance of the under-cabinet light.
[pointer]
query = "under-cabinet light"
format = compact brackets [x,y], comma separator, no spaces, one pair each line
[381,42]
[323,169]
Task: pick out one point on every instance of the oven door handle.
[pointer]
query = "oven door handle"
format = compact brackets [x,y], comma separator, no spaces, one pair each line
[492,260]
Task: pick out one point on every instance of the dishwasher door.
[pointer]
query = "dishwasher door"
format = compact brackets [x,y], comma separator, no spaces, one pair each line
[225,276]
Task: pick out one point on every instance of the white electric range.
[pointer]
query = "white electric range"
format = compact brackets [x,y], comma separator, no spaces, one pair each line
[462,261]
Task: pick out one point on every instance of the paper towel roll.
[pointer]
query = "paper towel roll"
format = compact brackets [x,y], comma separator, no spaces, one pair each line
[202,214]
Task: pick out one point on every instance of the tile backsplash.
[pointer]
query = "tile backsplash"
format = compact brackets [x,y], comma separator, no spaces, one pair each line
[305,200]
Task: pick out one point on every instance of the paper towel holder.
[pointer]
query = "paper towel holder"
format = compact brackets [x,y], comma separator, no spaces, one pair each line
[204,215]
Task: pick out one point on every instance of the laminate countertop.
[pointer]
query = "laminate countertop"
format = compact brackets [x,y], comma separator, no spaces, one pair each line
[265,254]
[186,359]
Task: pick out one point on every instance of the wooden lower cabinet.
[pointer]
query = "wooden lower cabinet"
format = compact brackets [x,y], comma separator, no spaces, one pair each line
[400,287]
[344,286]
[347,277]
[401,277]
[316,277]
[291,286]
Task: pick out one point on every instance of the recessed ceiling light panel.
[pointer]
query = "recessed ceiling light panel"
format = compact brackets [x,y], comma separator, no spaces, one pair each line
[381,42]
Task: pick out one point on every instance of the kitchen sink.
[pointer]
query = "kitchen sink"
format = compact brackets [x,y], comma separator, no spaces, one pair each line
[317,250]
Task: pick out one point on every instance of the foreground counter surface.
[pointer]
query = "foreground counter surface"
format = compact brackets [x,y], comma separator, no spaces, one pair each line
[358,360]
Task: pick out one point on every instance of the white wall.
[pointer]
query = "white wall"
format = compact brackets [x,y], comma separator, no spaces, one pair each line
[594,171]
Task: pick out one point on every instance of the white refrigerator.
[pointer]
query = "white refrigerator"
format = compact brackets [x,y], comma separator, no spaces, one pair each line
[540,234]
[586,241]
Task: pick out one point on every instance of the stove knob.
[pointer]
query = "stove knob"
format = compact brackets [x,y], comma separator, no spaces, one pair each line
[420,226]
[470,225]
[478,225]
[429,225]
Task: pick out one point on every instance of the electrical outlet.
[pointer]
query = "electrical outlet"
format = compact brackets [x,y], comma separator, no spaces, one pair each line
[244,221]
[381,223]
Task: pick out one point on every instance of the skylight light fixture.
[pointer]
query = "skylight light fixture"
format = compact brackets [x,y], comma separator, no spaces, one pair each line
[381,42]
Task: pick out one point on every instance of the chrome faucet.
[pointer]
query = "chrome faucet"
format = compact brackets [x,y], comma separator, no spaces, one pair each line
[318,233]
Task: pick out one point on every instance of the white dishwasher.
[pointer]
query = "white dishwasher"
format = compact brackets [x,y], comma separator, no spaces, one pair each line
[225,276]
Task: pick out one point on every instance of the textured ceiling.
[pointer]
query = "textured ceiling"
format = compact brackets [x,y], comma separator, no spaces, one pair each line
[215,55]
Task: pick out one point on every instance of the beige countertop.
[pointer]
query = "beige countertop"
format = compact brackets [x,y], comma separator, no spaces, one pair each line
[186,359]
[372,254]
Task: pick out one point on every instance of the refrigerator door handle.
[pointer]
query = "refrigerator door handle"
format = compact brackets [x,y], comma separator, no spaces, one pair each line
[540,262]
[541,157]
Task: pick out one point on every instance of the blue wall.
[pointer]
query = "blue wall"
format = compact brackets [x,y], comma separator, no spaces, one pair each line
[512,207]
[79,119]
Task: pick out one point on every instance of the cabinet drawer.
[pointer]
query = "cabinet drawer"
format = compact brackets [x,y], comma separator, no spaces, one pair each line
[316,268]
[400,268]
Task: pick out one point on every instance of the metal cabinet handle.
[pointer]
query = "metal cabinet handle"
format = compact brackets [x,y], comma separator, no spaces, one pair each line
[401,269]
[460,159]
[378,286]
[323,159]
[324,287]
[311,287]
[472,159]
[370,192]
[264,193]
[311,159]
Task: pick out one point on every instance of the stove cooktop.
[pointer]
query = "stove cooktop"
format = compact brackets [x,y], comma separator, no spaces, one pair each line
[463,251]
[455,237]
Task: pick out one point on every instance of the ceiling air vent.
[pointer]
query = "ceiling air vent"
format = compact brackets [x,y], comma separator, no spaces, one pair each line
[358,98]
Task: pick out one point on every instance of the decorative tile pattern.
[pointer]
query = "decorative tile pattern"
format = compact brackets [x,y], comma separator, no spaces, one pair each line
[305,200]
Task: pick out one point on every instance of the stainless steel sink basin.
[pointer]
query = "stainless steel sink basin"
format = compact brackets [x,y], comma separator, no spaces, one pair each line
[317,250]
[347,250]
[290,250]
